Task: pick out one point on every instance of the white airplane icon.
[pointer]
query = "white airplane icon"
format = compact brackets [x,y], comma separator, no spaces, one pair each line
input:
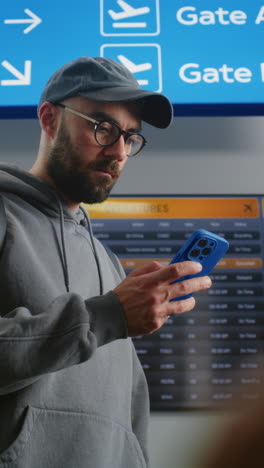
[128,11]
[132,67]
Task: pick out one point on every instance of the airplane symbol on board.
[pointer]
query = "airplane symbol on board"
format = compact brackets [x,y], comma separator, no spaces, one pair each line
[128,11]
[247,208]
[132,67]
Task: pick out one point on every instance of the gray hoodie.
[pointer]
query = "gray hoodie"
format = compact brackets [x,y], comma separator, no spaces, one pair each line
[72,391]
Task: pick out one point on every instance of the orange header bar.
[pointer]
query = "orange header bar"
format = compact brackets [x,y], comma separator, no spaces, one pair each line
[175,208]
[238,263]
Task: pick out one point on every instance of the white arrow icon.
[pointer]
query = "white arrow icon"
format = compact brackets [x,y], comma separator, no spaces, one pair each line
[128,11]
[22,79]
[34,21]
[132,66]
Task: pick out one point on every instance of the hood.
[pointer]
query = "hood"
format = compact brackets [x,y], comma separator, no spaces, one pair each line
[32,189]
[39,194]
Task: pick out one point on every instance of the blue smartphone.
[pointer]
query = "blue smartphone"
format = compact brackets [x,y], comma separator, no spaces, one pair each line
[204,247]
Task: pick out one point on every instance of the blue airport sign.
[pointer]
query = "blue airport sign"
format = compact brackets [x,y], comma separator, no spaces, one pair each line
[203,54]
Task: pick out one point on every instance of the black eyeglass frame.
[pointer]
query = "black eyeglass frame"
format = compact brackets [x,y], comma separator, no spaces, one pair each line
[99,122]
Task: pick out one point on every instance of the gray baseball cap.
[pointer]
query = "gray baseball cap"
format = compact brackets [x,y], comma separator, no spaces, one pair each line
[106,80]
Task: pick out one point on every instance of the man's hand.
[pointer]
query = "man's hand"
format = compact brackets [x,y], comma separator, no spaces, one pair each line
[146,292]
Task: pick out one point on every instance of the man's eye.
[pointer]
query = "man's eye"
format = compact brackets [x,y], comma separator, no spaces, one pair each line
[133,139]
[104,128]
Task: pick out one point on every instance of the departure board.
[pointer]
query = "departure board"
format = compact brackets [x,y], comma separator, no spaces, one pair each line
[211,356]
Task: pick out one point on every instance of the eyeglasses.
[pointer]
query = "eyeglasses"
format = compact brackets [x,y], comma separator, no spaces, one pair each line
[107,132]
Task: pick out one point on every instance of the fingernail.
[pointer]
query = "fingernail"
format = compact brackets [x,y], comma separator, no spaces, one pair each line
[208,282]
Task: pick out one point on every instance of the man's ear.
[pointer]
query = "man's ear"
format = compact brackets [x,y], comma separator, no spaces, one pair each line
[49,118]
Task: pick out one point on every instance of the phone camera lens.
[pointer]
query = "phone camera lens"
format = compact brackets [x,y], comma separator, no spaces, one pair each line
[202,242]
[194,253]
[206,251]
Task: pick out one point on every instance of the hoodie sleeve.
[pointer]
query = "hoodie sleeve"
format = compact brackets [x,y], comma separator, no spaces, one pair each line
[65,334]
[43,329]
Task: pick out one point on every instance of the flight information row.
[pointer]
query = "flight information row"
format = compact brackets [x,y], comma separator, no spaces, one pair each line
[205,347]
[174,235]
[213,332]
[169,249]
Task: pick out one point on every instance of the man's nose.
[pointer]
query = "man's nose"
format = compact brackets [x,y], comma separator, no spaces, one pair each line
[117,149]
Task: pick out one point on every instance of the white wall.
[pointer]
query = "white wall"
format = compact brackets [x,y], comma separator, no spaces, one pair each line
[196,155]
[216,155]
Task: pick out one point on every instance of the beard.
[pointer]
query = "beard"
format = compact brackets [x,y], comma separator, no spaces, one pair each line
[75,179]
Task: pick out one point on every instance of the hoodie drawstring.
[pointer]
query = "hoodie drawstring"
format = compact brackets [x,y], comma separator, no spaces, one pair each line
[64,253]
[90,230]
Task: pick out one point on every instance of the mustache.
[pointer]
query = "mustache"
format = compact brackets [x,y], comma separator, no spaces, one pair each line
[106,165]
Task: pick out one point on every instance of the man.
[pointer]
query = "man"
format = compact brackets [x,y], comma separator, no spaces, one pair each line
[73,393]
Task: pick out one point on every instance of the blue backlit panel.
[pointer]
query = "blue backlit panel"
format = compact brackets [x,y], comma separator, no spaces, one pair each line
[206,56]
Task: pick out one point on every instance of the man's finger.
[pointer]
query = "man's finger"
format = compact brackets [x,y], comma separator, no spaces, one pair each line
[173,272]
[180,307]
[148,268]
[188,286]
